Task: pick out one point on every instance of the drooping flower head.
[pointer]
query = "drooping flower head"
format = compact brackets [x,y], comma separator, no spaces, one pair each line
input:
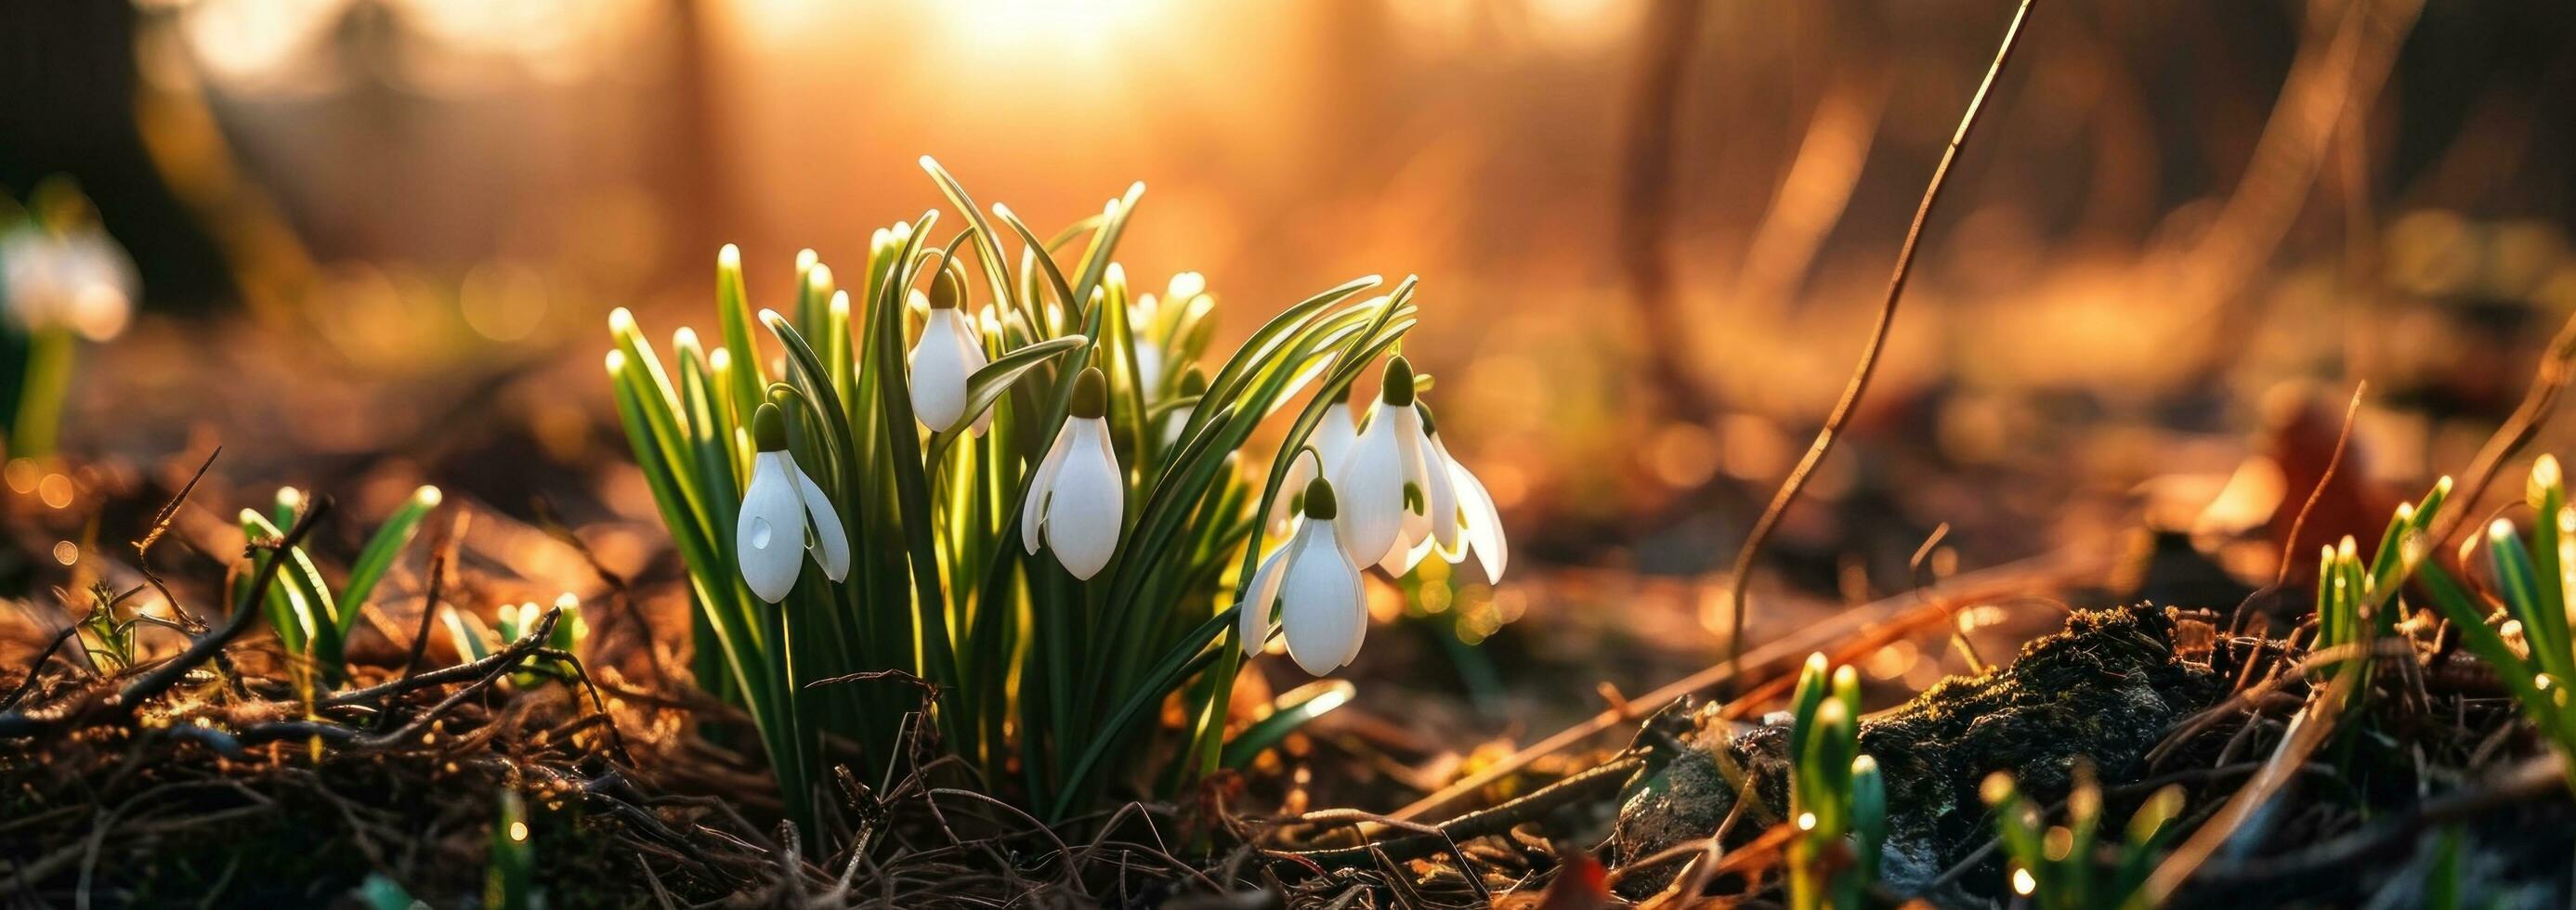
[74,278]
[1314,589]
[950,350]
[1385,480]
[1076,500]
[784,516]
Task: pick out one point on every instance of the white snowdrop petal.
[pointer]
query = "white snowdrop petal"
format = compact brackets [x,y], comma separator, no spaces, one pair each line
[1369,488]
[1149,369]
[1454,549]
[103,294]
[1484,531]
[1082,517]
[970,344]
[1414,522]
[1331,440]
[1042,486]
[1333,437]
[769,537]
[1320,606]
[1262,600]
[939,372]
[1359,626]
[1392,561]
[1406,554]
[1440,491]
[831,542]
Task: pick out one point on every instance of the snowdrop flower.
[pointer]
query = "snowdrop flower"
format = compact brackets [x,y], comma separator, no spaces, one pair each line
[1476,527]
[1149,368]
[1152,319]
[1184,287]
[79,279]
[950,350]
[784,516]
[1074,502]
[1385,481]
[1331,440]
[1315,589]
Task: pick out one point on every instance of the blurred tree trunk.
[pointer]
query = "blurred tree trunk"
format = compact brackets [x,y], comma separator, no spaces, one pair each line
[1666,40]
[699,200]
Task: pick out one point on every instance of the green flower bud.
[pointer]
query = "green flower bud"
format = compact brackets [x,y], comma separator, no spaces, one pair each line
[1319,502]
[769,428]
[1397,388]
[1090,395]
[945,294]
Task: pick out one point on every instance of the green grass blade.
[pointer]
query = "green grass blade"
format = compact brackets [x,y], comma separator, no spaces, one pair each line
[989,384]
[310,598]
[381,551]
[988,248]
[733,318]
[1293,710]
[2485,642]
[2517,581]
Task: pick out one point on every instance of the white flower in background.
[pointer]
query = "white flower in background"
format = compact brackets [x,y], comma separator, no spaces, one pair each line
[784,516]
[1151,319]
[1075,501]
[1314,588]
[1331,440]
[950,350]
[1476,527]
[1385,479]
[78,279]
[1149,369]
[1193,385]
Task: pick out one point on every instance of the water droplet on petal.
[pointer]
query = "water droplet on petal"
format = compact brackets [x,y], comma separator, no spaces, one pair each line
[760,533]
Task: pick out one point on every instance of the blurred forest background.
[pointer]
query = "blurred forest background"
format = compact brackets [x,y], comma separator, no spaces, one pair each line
[378,240]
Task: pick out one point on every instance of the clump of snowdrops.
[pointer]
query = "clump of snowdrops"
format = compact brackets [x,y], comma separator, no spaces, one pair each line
[992,473]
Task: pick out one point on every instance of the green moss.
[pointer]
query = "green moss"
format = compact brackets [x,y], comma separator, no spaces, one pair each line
[2106,688]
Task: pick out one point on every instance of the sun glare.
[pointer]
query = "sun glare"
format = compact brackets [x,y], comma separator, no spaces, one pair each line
[1017,29]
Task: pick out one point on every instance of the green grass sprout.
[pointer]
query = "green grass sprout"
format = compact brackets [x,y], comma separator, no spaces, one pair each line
[2067,867]
[2527,641]
[509,883]
[1837,797]
[311,618]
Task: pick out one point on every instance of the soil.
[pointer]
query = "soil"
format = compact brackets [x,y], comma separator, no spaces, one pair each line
[2114,689]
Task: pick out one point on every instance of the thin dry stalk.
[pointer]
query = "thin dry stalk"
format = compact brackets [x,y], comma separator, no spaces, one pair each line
[1868,366]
